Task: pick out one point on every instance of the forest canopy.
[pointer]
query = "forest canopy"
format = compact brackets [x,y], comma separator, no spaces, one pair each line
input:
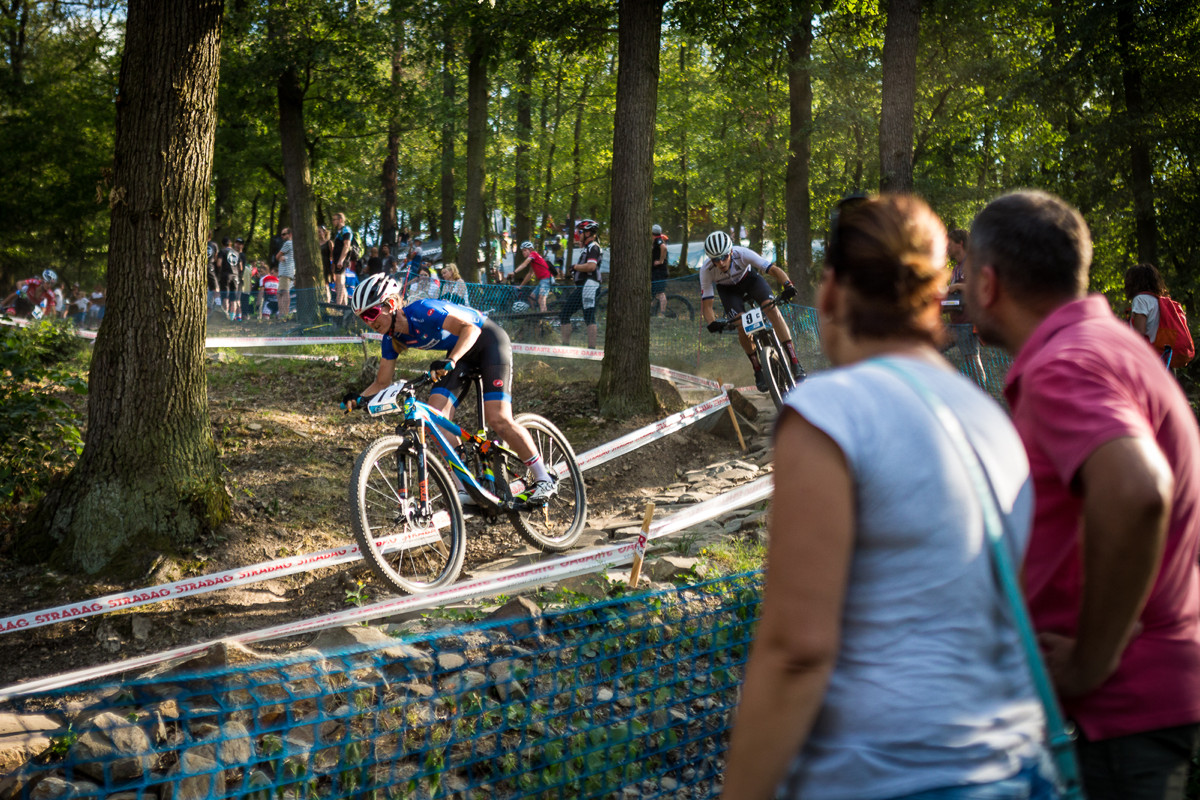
[1093,101]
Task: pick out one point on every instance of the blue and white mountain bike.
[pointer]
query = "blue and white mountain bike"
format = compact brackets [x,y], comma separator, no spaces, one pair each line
[407,516]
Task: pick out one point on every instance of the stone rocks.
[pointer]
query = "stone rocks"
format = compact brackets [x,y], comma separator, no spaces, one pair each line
[111,744]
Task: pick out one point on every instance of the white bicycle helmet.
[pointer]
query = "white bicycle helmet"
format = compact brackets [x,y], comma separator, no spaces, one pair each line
[520,307]
[656,230]
[50,276]
[372,292]
[527,246]
[718,245]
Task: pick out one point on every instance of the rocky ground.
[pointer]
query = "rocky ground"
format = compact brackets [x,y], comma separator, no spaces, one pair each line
[289,453]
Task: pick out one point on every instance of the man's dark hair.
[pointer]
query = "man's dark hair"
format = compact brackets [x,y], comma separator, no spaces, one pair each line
[1038,245]
[958,236]
[225,242]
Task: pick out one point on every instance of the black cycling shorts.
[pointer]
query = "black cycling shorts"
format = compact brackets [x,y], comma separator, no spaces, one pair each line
[658,280]
[753,285]
[491,357]
[574,302]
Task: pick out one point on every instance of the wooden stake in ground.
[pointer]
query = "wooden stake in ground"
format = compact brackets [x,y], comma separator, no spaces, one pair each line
[733,416]
[639,550]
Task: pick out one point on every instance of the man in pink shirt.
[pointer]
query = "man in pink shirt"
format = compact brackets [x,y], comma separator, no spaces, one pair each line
[1111,571]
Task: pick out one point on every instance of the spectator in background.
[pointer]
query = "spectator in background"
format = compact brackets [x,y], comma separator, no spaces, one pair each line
[287,272]
[1111,574]
[386,260]
[964,335]
[1143,287]
[249,275]
[96,307]
[227,275]
[213,287]
[539,273]
[343,242]
[79,305]
[659,269]
[413,263]
[239,245]
[374,262]
[326,261]
[454,288]
[268,292]
[883,665]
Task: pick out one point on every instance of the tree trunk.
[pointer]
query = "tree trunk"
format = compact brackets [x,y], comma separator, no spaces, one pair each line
[685,211]
[149,480]
[625,387]
[449,212]
[388,214]
[1141,169]
[899,95]
[522,220]
[797,199]
[553,141]
[477,107]
[298,177]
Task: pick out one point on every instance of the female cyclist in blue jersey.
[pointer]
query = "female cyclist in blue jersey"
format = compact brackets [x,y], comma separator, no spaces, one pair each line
[472,343]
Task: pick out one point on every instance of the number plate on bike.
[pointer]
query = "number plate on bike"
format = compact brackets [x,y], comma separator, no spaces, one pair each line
[386,401]
[753,320]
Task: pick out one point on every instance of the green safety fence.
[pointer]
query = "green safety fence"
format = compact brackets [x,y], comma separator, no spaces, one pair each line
[626,695]
[678,338]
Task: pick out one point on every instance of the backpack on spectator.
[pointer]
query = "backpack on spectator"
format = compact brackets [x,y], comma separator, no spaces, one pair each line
[1173,332]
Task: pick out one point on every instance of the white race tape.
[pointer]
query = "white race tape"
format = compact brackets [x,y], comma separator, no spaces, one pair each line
[558,351]
[276,341]
[506,581]
[651,433]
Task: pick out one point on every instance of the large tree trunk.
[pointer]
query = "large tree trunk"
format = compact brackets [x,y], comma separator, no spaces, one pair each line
[449,212]
[685,210]
[576,177]
[552,138]
[477,106]
[149,480]
[625,387]
[899,95]
[797,199]
[388,214]
[522,221]
[298,177]
[1141,167]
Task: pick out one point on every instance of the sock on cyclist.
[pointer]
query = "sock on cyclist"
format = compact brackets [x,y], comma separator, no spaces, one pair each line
[791,351]
[754,362]
[539,468]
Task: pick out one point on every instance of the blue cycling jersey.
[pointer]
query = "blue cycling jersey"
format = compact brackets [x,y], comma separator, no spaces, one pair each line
[425,331]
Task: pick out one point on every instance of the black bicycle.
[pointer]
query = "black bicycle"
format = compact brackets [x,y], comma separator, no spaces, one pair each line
[775,363]
[407,516]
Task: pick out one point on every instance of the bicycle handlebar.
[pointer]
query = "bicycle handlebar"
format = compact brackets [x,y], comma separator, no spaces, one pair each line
[731,317]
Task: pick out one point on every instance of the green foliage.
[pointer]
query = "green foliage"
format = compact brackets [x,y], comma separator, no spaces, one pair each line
[61,745]
[39,430]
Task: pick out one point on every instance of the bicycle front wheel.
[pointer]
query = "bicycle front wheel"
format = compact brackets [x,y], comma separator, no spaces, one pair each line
[411,549]
[555,526]
[779,373]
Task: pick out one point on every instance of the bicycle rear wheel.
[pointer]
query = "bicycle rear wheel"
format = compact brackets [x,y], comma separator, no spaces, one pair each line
[778,370]
[555,526]
[412,552]
[678,307]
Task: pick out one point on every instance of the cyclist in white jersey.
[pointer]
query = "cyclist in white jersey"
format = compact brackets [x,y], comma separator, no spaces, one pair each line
[731,272]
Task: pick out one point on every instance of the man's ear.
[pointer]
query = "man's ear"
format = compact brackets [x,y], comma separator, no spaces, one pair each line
[988,290]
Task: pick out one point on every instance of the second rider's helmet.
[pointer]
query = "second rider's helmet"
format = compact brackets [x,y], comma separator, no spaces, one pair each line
[587,226]
[372,292]
[527,245]
[50,276]
[718,245]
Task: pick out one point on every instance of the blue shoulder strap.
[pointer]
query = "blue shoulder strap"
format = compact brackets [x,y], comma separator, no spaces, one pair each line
[1060,734]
